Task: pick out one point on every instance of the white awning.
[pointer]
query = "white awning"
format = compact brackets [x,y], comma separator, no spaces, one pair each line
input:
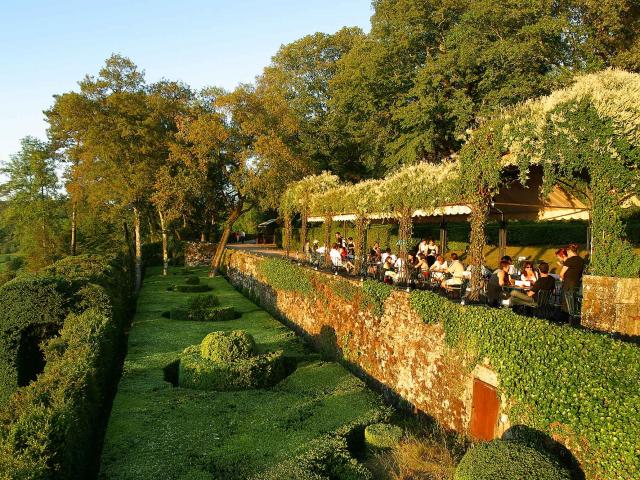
[434,212]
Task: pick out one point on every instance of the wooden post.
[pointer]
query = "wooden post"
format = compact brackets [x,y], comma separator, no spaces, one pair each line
[502,238]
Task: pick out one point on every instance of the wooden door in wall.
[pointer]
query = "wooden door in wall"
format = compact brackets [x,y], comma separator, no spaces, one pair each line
[485,406]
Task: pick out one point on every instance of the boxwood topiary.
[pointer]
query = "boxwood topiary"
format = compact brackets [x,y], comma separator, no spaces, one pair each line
[192,280]
[192,288]
[382,435]
[218,314]
[509,461]
[259,371]
[227,346]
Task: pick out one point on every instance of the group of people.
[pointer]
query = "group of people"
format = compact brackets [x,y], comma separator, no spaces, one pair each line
[534,282]
[506,285]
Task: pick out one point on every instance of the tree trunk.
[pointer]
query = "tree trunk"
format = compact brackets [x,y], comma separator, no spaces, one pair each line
[287,233]
[326,232]
[203,236]
[74,227]
[477,241]
[361,241]
[303,231]
[165,251]
[224,238]
[138,249]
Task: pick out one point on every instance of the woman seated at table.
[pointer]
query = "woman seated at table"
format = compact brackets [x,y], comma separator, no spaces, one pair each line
[456,270]
[422,265]
[530,297]
[498,280]
[439,267]
[529,274]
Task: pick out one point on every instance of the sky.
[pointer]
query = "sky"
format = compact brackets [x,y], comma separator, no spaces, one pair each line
[47,46]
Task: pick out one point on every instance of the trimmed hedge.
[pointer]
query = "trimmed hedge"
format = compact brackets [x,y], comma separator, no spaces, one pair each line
[53,427]
[213,314]
[192,280]
[32,309]
[191,288]
[382,435]
[227,346]
[260,371]
[579,387]
[509,461]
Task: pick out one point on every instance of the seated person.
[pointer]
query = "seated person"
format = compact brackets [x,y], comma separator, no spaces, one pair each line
[456,270]
[439,267]
[346,261]
[529,274]
[498,280]
[336,255]
[385,255]
[422,265]
[544,283]
[512,269]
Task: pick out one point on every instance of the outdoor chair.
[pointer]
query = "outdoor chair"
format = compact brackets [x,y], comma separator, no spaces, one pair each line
[544,308]
[573,305]
[337,265]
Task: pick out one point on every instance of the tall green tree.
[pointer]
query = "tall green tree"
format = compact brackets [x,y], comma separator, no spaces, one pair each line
[33,205]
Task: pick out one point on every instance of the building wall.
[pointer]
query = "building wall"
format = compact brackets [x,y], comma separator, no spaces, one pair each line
[611,304]
[397,352]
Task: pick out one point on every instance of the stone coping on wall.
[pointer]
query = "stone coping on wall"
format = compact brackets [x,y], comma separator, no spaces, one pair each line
[611,305]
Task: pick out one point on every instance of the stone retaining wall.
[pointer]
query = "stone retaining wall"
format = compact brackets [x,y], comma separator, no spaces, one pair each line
[406,358]
[611,304]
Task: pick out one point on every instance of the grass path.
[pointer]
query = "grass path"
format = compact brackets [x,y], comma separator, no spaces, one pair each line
[158,431]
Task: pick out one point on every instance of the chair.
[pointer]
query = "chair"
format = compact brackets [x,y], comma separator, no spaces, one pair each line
[573,305]
[336,265]
[544,308]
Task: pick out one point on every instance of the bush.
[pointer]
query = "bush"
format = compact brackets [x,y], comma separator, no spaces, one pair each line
[51,428]
[218,314]
[259,371]
[374,294]
[509,461]
[192,288]
[32,309]
[227,346]
[555,377]
[382,435]
[192,280]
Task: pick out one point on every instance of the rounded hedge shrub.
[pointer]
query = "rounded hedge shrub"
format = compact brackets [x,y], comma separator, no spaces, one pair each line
[382,435]
[202,302]
[219,314]
[508,460]
[259,371]
[227,346]
[192,280]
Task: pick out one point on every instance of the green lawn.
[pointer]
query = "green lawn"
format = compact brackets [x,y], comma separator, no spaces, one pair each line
[157,431]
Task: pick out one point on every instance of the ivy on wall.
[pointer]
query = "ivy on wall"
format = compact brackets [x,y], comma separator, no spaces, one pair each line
[283,275]
[579,387]
[374,295]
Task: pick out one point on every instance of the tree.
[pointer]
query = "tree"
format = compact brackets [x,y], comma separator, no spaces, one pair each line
[33,205]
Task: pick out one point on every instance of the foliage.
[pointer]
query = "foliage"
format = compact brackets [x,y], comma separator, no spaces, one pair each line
[374,294]
[487,461]
[192,288]
[227,346]
[343,288]
[232,435]
[50,428]
[422,458]
[382,435]
[202,302]
[584,137]
[33,209]
[32,309]
[284,275]
[243,373]
[192,280]
[558,380]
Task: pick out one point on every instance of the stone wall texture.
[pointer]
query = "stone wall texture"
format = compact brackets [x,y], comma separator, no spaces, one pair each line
[406,358]
[198,253]
[611,304]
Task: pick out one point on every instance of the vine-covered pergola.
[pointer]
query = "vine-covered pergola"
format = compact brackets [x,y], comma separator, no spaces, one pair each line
[585,138]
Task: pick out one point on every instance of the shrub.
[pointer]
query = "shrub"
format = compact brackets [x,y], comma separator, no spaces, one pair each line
[192,288]
[382,435]
[510,461]
[32,309]
[192,280]
[202,302]
[284,275]
[219,314]
[375,294]
[555,377]
[227,346]
[51,428]
[259,371]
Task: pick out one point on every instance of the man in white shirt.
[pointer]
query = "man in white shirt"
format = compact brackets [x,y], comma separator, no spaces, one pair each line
[336,256]
[456,270]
